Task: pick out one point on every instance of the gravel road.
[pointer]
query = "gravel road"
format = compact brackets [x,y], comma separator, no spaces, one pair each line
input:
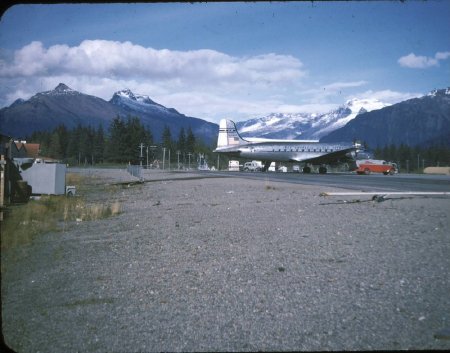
[229,264]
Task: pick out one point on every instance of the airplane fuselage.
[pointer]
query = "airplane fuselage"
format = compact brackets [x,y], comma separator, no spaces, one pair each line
[311,152]
[283,152]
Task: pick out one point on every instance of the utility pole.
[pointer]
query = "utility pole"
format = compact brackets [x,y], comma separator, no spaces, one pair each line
[418,162]
[164,156]
[189,155]
[147,157]
[152,149]
[178,159]
[141,157]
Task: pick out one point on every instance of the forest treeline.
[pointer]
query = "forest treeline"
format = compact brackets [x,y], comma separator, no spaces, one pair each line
[119,144]
[414,158]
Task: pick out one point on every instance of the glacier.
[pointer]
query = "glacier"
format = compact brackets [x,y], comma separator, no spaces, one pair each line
[313,126]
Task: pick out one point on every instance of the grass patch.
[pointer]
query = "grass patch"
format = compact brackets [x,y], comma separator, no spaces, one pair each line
[74,179]
[23,223]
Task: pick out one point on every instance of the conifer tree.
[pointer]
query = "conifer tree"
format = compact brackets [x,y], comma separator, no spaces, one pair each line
[167,137]
[54,149]
[190,141]
[181,143]
[116,142]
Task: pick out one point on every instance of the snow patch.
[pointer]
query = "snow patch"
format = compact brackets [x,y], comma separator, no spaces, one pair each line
[307,125]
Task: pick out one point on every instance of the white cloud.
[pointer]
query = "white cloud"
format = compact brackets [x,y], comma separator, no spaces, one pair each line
[124,60]
[203,83]
[321,94]
[338,86]
[414,61]
[386,96]
[195,82]
[442,55]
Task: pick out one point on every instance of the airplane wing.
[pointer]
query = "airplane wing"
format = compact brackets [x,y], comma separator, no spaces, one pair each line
[329,158]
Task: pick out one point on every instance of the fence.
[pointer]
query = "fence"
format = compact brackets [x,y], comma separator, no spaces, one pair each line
[135,170]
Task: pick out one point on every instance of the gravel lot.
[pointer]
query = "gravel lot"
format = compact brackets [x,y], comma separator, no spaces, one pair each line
[229,264]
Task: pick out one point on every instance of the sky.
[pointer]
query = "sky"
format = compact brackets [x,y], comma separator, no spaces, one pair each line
[236,60]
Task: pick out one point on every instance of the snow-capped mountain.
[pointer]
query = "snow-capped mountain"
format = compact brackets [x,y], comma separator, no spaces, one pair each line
[340,117]
[423,121]
[137,102]
[276,126]
[157,116]
[65,106]
[304,125]
[61,89]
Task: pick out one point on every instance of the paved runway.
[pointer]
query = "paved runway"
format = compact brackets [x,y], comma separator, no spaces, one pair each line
[374,182]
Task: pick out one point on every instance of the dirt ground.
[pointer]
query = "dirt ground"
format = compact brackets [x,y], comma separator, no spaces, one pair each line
[230,264]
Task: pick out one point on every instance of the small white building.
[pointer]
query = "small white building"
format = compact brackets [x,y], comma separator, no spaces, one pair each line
[46,178]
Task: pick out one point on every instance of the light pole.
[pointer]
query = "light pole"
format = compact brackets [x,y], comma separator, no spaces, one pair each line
[152,149]
[141,157]
[418,163]
[189,155]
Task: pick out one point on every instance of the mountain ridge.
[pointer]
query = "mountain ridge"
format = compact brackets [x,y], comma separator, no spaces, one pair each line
[46,110]
[417,121]
[306,125]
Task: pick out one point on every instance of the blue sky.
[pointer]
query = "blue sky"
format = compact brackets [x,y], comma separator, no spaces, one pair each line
[235,60]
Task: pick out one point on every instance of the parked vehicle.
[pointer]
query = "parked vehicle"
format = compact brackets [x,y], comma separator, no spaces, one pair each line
[368,166]
[252,166]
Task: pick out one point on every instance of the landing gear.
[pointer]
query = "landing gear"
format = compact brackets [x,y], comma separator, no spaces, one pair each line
[322,170]
[266,165]
[307,169]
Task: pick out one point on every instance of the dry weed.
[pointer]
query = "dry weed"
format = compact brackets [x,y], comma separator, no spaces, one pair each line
[23,223]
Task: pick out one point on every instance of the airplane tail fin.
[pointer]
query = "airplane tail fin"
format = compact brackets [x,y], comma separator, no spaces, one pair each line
[228,134]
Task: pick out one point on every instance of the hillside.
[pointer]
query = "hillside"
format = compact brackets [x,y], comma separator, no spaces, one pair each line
[419,121]
[46,110]
[306,125]
[63,105]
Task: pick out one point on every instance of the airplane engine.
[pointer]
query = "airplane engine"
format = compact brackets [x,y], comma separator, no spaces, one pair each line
[351,154]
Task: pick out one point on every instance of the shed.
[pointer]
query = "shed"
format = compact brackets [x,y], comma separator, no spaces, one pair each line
[46,178]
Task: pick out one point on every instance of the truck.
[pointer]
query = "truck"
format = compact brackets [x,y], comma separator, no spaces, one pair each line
[253,166]
[367,166]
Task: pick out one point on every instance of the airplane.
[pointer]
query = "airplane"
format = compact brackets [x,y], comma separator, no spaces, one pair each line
[308,152]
